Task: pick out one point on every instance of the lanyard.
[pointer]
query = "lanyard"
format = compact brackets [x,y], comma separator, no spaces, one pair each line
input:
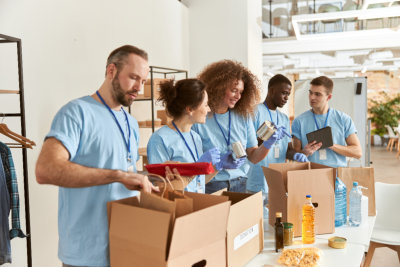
[228,141]
[128,143]
[183,138]
[270,115]
[326,120]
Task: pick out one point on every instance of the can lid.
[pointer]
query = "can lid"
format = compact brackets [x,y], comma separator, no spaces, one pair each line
[279,214]
[287,225]
[308,196]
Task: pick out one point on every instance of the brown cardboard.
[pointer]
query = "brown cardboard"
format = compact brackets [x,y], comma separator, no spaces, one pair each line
[139,236]
[365,177]
[245,231]
[156,87]
[288,185]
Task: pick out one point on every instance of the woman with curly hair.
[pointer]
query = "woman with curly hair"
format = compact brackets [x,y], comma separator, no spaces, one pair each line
[233,93]
[186,102]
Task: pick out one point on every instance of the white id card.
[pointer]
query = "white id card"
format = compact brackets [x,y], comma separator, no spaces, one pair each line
[130,168]
[276,152]
[322,154]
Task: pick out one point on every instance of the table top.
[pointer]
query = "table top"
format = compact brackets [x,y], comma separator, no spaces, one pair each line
[352,255]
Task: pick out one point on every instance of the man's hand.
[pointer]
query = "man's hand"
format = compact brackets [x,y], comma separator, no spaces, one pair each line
[310,148]
[135,181]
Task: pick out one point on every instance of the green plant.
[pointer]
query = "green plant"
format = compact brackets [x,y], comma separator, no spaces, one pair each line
[386,112]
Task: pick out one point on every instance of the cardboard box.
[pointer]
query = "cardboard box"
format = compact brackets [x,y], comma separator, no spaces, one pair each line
[156,87]
[162,115]
[140,237]
[365,177]
[289,183]
[245,231]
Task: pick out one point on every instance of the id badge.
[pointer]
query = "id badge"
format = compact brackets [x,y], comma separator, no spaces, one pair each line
[276,152]
[130,168]
[322,154]
[199,188]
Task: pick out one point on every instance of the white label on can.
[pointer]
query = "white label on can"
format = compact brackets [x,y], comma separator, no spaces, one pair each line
[245,237]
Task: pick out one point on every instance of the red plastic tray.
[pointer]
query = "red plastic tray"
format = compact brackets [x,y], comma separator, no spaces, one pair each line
[184,169]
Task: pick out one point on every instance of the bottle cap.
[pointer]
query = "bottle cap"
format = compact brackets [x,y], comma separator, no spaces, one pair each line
[355,183]
[278,215]
[308,196]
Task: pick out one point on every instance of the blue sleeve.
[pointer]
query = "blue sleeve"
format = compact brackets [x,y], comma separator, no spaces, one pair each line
[156,150]
[67,126]
[349,127]
[287,126]
[296,129]
[251,134]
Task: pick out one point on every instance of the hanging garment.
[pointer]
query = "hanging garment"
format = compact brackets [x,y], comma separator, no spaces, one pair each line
[12,186]
[5,248]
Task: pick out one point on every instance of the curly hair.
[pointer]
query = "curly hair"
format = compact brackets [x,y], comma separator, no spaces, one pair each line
[218,76]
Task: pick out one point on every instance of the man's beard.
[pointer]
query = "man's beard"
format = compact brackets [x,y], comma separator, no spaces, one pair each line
[119,94]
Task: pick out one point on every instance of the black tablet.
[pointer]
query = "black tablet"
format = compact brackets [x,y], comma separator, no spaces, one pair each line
[323,135]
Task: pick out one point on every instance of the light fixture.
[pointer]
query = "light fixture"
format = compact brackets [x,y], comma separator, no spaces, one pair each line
[270,74]
[364,69]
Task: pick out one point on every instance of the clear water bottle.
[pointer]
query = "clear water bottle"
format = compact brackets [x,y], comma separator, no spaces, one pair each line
[340,203]
[355,197]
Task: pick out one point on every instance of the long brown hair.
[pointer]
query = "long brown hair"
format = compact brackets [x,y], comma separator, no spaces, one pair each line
[218,76]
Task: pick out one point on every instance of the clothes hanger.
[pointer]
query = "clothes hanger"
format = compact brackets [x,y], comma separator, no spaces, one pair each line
[25,142]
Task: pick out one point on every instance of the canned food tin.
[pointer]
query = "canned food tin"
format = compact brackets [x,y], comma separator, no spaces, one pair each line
[238,150]
[266,130]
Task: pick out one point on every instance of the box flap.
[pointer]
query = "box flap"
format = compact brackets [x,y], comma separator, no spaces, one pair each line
[320,184]
[283,168]
[147,236]
[132,201]
[277,198]
[201,201]
[199,229]
[245,232]
[364,177]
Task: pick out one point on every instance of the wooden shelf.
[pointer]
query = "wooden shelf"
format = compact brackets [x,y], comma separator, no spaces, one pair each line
[141,97]
[2,91]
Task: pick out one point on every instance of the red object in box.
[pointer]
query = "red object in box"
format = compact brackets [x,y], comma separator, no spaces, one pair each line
[184,169]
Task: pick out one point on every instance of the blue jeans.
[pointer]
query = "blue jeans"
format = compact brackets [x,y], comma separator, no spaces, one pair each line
[234,185]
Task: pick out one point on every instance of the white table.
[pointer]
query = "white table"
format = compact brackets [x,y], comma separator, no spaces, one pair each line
[352,255]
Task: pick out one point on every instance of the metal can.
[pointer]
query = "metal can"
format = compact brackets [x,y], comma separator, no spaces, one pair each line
[238,150]
[266,130]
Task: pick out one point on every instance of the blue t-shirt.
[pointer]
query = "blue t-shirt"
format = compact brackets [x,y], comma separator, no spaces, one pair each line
[242,130]
[166,144]
[342,126]
[90,134]
[256,180]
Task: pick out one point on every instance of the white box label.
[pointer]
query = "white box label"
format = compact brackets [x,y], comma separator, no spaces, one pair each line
[245,237]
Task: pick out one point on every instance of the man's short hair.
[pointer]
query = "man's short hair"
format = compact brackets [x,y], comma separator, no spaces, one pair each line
[119,56]
[278,79]
[325,82]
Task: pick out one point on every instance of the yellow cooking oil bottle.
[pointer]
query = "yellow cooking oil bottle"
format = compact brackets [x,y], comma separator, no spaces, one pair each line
[308,227]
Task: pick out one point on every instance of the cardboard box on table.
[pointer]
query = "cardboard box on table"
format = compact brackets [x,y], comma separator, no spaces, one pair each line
[364,177]
[144,237]
[288,185]
[245,231]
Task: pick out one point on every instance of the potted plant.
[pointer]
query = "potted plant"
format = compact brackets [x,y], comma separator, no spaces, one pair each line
[384,112]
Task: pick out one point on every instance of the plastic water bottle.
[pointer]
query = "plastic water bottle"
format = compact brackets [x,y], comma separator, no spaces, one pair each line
[355,205]
[340,203]
[307,225]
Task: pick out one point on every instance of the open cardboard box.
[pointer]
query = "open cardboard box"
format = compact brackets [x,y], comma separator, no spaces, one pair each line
[289,183]
[245,231]
[144,237]
[365,177]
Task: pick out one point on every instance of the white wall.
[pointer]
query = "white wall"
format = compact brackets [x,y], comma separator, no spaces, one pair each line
[65,46]
[225,29]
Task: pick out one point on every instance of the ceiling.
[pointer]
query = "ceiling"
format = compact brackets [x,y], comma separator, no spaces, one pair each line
[335,51]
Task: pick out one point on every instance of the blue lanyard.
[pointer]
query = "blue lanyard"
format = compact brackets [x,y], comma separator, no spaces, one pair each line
[183,138]
[270,115]
[128,143]
[326,120]
[228,141]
